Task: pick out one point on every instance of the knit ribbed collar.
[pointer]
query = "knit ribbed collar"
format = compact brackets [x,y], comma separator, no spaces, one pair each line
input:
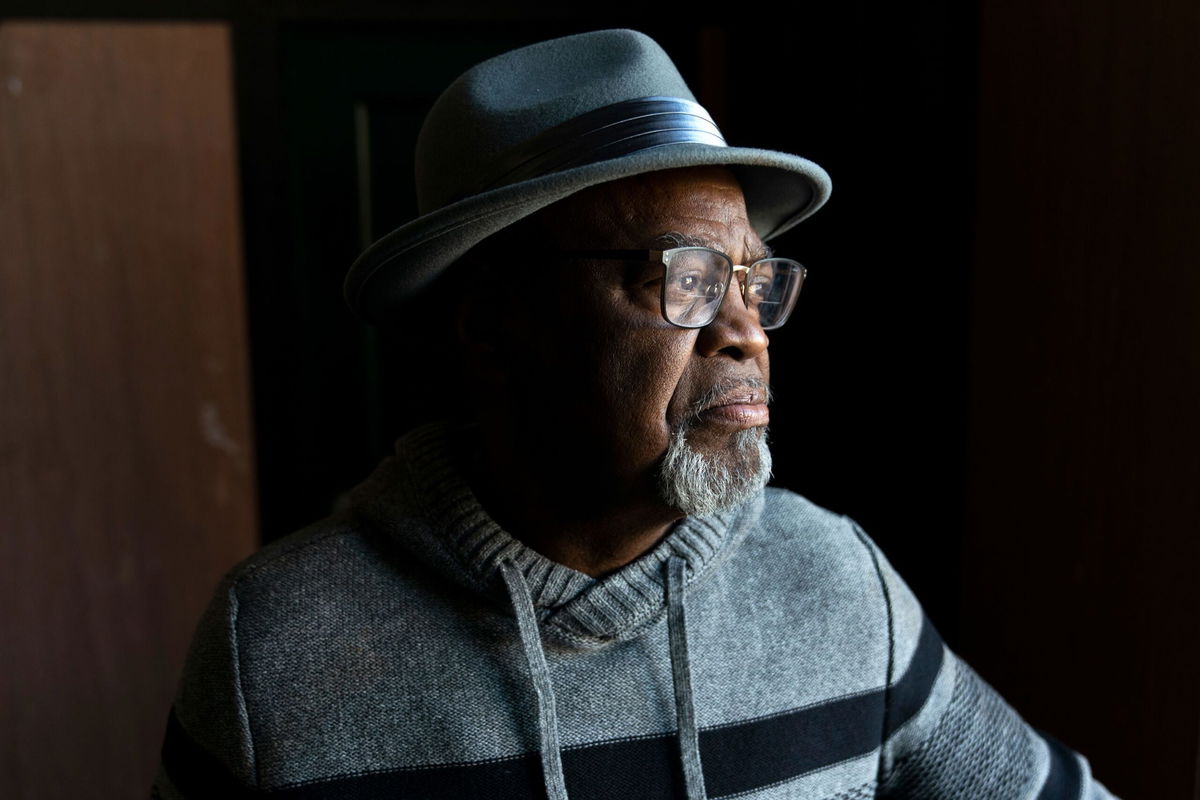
[420,497]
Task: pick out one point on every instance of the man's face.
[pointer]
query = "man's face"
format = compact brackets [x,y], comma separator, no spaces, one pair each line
[599,373]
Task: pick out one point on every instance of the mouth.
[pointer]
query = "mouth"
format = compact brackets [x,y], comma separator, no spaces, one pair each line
[738,406]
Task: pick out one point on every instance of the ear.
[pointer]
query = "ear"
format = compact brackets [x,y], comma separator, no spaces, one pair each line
[490,308]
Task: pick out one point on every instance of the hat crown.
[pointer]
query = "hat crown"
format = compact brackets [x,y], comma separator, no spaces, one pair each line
[502,103]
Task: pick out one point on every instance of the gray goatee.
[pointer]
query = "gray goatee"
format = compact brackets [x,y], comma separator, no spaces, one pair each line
[702,483]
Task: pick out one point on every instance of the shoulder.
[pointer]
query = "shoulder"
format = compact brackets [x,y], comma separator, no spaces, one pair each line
[840,553]
[293,556]
[299,551]
[825,548]
[786,504]
[813,561]
[796,528]
[213,704]
[323,566]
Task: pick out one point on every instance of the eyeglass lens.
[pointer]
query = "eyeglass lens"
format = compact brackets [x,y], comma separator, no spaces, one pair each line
[696,281]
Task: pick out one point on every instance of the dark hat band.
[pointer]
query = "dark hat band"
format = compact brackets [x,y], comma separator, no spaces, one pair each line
[608,132]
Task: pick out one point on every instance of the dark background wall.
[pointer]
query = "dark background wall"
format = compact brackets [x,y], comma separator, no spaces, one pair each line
[1081,545]
[993,368]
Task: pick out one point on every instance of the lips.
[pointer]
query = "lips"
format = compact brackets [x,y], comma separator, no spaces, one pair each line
[744,407]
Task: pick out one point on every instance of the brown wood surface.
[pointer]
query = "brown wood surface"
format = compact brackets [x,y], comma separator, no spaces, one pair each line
[126,464]
[1084,537]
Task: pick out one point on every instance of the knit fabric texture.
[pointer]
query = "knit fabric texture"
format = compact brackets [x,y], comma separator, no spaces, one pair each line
[409,647]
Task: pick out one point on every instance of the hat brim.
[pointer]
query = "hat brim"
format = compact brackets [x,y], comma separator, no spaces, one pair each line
[780,191]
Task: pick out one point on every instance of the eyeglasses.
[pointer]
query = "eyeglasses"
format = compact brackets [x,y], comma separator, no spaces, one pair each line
[696,280]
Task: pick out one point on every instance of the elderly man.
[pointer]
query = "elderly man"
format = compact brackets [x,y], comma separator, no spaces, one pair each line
[584,589]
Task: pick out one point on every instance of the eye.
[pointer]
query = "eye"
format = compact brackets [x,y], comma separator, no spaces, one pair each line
[695,284]
[758,287]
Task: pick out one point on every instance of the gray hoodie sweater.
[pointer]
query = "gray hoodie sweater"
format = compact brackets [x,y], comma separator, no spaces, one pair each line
[408,647]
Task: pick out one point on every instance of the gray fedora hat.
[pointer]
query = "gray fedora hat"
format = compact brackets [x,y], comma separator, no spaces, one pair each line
[527,128]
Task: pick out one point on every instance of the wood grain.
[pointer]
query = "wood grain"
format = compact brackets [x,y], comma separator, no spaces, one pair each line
[126,463]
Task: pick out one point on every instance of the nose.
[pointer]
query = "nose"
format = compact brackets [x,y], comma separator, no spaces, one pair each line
[735,332]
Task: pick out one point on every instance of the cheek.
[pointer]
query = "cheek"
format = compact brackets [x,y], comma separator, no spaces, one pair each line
[626,365]
[640,375]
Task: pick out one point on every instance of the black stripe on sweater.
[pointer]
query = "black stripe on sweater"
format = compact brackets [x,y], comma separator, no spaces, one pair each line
[194,771]
[737,758]
[1065,781]
[909,693]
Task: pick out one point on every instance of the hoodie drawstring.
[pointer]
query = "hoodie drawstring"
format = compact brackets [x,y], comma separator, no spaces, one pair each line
[535,657]
[685,709]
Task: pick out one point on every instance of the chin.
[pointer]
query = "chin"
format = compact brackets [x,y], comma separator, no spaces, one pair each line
[699,481]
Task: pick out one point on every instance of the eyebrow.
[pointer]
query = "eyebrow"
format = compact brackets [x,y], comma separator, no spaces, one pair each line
[677,239]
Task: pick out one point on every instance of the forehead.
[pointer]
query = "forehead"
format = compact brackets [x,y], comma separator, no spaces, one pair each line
[704,203]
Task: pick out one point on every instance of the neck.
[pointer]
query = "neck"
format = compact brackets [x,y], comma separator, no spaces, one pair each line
[591,523]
